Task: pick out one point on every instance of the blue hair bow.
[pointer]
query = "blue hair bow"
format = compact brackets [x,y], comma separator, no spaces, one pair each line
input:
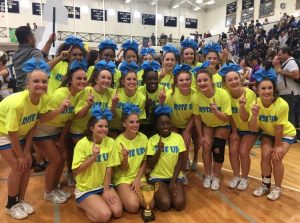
[163,110]
[78,64]
[189,43]
[104,65]
[169,48]
[227,67]
[130,45]
[99,113]
[211,47]
[182,67]
[153,65]
[108,44]
[263,73]
[130,108]
[36,64]
[203,66]
[126,67]
[72,40]
[145,51]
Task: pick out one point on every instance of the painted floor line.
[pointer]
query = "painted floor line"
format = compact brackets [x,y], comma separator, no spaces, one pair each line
[56,214]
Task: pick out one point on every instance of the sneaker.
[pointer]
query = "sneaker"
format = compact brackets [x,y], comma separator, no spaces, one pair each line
[63,193]
[70,179]
[54,197]
[185,181]
[26,207]
[261,191]
[243,185]
[39,167]
[275,194]
[207,181]
[215,185]
[194,166]
[17,211]
[234,182]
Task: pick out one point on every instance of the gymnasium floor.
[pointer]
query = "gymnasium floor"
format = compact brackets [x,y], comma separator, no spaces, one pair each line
[203,205]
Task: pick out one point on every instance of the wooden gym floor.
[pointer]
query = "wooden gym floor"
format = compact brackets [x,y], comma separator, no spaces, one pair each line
[203,205]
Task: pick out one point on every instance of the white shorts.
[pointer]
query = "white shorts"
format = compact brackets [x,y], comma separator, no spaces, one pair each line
[5,142]
[44,132]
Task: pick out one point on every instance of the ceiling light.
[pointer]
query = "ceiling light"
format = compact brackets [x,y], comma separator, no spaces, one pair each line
[196,8]
[127,1]
[153,2]
[210,2]
[175,6]
[199,1]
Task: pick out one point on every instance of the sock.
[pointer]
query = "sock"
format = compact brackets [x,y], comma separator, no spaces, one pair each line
[267,181]
[12,200]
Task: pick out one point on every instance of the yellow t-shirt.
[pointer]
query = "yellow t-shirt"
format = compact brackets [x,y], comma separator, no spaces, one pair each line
[89,72]
[140,78]
[165,166]
[57,97]
[167,81]
[201,106]
[137,99]
[56,75]
[182,107]
[235,108]
[276,114]
[136,155]
[79,126]
[93,176]
[18,114]
[217,79]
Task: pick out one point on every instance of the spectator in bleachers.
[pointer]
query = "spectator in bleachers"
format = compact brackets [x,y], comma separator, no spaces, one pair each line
[282,39]
[181,38]
[153,39]
[293,40]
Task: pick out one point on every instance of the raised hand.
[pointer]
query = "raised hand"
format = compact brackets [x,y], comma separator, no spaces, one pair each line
[162,96]
[115,97]
[124,151]
[66,53]
[160,145]
[255,109]
[243,100]
[213,106]
[65,104]
[90,98]
[95,150]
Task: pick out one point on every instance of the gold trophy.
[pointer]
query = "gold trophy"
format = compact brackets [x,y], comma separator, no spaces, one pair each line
[147,194]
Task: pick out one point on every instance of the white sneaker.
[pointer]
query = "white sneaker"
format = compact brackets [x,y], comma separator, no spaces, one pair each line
[26,207]
[261,191]
[62,193]
[215,185]
[207,181]
[275,194]
[17,212]
[234,182]
[54,197]
[70,179]
[243,185]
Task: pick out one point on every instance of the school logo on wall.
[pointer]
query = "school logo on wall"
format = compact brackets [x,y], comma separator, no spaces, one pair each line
[12,6]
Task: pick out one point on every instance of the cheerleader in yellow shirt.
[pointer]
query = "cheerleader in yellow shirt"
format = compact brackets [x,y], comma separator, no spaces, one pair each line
[71,49]
[146,54]
[127,92]
[55,123]
[131,145]
[241,138]
[18,119]
[165,154]
[99,93]
[212,110]
[94,158]
[169,60]
[270,114]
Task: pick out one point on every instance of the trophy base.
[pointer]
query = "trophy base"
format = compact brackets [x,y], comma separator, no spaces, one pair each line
[147,215]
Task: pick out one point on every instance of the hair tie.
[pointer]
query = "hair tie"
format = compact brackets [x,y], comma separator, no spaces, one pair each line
[78,64]
[126,67]
[104,65]
[108,44]
[227,67]
[145,51]
[183,67]
[169,48]
[211,47]
[189,43]
[72,40]
[130,45]
[265,74]
[153,65]
[130,108]
[36,64]
[100,113]
[163,110]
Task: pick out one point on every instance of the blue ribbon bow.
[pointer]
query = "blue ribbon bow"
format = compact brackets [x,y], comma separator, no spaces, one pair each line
[104,65]
[36,64]
[227,67]
[145,51]
[130,108]
[130,45]
[126,67]
[203,66]
[183,67]
[72,40]
[108,44]
[262,74]
[189,43]
[153,65]
[169,48]
[99,113]
[163,110]
[211,47]
[76,64]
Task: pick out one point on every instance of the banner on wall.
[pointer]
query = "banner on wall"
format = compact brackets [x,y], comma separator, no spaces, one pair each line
[170,21]
[246,4]
[97,14]
[266,8]
[148,19]
[12,6]
[36,8]
[230,14]
[191,23]
[124,17]
[247,10]
[71,10]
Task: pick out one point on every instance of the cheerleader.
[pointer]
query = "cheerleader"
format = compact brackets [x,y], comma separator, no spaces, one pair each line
[212,110]
[54,126]
[147,54]
[241,139]
[269,113]
[131,144]
[165,153]
[18,119]
[94,158]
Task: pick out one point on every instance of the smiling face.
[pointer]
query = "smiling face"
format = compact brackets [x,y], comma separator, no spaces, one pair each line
[233,80]
[104,79]
[184,81]
[204,82]
[213,58]
[37,82]
[164,125]
[147,57]
[79,80]
[75,54]
[132,124]
[100,129]
[266,90]
[151,81]
[188,56]
[130,81]
[130,55]
[107,54]
[169,61]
